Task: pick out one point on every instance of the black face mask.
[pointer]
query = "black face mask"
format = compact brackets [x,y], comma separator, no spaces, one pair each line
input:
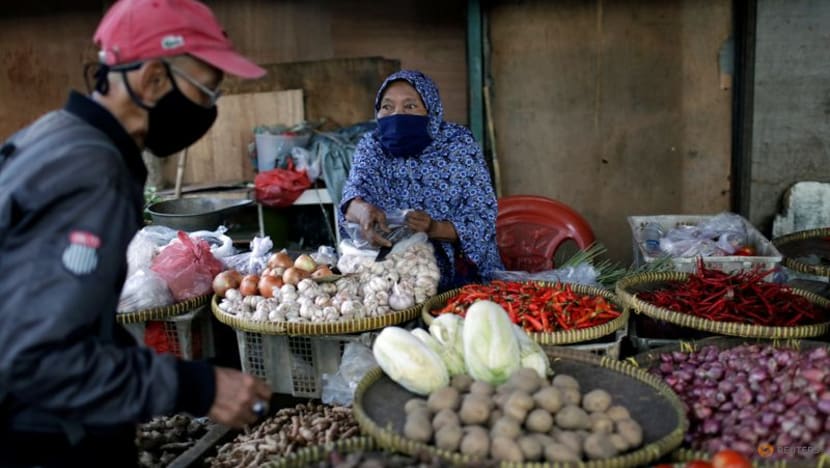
[175,122]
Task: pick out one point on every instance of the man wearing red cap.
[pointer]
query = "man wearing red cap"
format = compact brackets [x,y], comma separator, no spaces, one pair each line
[72,385]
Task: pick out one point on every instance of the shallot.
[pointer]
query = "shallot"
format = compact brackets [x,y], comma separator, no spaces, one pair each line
[753,394]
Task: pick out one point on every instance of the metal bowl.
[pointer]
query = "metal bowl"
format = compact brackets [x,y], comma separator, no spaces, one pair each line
[194,214]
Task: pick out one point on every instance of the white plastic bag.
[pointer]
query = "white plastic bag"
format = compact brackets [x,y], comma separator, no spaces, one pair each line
[253,262]
[339,388]
[581,274]
[145,245]
[144,289]
[221,246]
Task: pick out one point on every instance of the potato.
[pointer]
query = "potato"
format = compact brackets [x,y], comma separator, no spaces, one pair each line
[526,379]
[631,431]
[443,398]
[565,381]
[420,413]
[539,420]
[601,423]
[417,428]
[495,415]
[449,437]
[445,417]
[619,442]
[570,439]
[504,449]
[599,447]
[499,399]
[413,404]
[596,401]
[506,427]
[618,413]
[571,396]
[461,382]
[475,443]
[480,387]
[557,452]
[573,417]
[543,439]
[549,399]
[475,409]
[517,405]
[531,447]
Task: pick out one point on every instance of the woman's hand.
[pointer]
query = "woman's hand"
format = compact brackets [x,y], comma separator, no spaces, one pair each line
[371,219]
[418,221]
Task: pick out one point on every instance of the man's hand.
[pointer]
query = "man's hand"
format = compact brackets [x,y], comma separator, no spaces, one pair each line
[371,220]
[236,394]
[418,221]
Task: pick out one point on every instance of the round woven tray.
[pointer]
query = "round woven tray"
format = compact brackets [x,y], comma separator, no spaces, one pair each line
[318,453]
[379,402]
[314,328]
[630,286]
[549,338]
[648,359]
[801,244]
[162,313]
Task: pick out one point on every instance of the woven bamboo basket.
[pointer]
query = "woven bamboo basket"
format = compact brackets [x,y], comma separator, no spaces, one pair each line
[801,244]
[630,286]
[318,453]
[648,359]
[379,402]
[549,338]
[344,327]
[162,313]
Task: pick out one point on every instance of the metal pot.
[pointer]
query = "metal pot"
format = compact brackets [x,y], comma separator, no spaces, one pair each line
[194,214]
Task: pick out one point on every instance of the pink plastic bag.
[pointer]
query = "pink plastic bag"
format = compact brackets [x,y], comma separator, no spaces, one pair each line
[187,267]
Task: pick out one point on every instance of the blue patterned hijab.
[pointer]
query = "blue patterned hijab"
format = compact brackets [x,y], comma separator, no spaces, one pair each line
[449,180]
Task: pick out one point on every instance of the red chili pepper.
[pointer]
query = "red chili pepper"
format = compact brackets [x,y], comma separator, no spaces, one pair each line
[743,297]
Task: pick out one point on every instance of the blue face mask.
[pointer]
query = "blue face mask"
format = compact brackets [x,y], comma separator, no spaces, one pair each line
[404,135]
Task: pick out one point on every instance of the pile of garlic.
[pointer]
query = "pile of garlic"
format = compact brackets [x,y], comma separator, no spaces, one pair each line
[370,289]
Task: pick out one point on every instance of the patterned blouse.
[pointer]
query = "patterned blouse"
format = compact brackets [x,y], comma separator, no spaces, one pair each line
[449,180]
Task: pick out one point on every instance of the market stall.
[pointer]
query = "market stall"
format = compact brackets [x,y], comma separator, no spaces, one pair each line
[378,361]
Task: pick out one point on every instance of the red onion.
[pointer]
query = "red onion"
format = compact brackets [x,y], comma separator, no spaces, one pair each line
[740,397]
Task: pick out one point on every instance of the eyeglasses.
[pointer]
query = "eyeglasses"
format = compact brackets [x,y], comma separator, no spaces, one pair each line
[214,95]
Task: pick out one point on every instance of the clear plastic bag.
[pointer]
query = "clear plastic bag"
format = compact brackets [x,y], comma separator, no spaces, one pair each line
[325,255]
[395,220]
[720,235]
[143,290]
[339,388]
[145,245]
[305,161]
[253,262]
[221,246]
[581,274]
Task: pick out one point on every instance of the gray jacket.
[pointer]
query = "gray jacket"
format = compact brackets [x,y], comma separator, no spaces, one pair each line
[71,197]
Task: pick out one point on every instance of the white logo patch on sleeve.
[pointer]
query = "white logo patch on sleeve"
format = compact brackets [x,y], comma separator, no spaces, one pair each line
[81,255]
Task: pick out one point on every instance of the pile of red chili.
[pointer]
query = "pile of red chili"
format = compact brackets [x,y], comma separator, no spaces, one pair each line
[742,297]
[535,307]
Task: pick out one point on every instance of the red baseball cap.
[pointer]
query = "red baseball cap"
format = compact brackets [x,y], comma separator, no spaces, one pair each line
[136,30]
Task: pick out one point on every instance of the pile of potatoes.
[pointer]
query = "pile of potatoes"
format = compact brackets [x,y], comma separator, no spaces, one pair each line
[525,419]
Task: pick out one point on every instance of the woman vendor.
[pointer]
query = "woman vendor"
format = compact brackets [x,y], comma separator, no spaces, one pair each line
[416,161]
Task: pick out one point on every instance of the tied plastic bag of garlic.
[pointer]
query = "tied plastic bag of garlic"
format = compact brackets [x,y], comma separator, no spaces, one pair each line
[408,276]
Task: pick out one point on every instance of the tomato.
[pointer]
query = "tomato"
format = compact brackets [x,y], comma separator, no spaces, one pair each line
[730,459]
[746,251]
[698,464]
